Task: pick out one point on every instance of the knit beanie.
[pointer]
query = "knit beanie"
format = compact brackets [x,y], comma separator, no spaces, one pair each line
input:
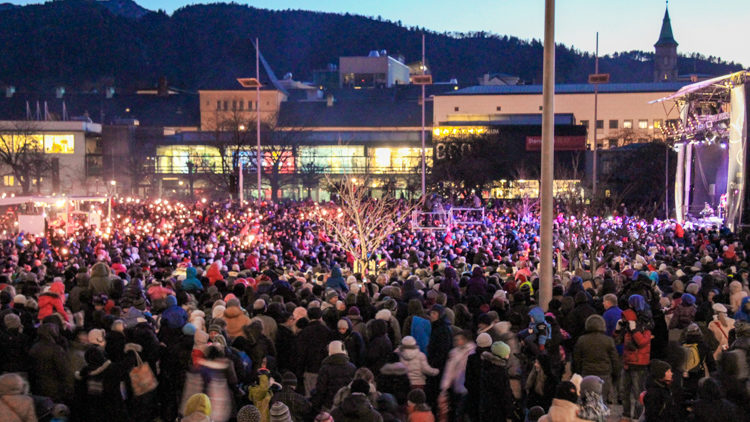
[500,349]
[198,403]
[171,301]
[248,413]
[288,378]
[335,347]
[484,340]
[342,325]
[188,329]
[19,300]
[658,368]
[280,413]
[408,342]
[383,314]
[360,386]
[591,384]
[12,321]
[96,336]
[688,299]
[535,413]
[218,312]
[417,396]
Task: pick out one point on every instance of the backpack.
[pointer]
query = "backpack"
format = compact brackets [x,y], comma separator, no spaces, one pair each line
[692,357]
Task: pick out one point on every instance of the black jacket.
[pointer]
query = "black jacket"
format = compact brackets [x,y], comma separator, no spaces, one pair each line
[356,408]
[441,342]
[379,347]
[659,403]
[394,379]
[335,372]
[495,396]
[312,347]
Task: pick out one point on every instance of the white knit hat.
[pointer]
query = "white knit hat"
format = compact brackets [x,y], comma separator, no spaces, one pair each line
[484,340]
[383,314]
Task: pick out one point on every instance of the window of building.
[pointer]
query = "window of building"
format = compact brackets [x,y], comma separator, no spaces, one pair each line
[498,108]
[540,108]
[600,124]
[642,124]
[59,144]
[234,105]
[585,123]
[613,143]
[9,180]
[242,104]
[613,124]
[627,124]
[226,105]
[658,123]
[218,104]
[455,108]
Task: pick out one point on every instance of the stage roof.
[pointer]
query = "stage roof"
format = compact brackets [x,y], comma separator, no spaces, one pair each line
[718,82]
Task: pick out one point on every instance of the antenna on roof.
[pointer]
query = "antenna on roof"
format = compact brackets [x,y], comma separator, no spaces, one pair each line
[28,110]
[38,111]
[46,112]
[64,111]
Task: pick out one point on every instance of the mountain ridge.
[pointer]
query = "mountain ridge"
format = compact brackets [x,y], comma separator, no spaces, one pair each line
[86,45]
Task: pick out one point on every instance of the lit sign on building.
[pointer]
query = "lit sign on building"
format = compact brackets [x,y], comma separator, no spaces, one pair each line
[461,132]
[562,143]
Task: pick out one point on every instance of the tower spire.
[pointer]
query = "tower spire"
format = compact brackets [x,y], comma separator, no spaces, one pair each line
[666,38]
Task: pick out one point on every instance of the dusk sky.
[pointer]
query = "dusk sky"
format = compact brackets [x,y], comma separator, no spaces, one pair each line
[717,28]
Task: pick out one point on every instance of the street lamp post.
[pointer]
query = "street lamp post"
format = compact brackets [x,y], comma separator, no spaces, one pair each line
[424,158]
[257,110]
[548,151]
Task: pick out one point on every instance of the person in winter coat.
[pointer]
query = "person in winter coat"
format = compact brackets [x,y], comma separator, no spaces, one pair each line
[82,285]
[595,353]
[236,320]
[473,375]
[353,342]
[736,295]
[711,405]
[14,346]
[214,273]
[312,346]
[52,302]
[636,341]
[98,387]
[684,314]
[100,282]
[591,400]
[416,362]
[575,321]
[564,406]
[357,408]
[449,286]
[743,313]
[452,381]
[394,378]
[216,376]
[174,316]
[495,396]
[336,371]
[694,342]
[15,403]
[539,332]
[299,407]
[477,285]
[659,404]
[335,281]
[720,326]
[197,409]
[191,282]
[378,347]
[50,372]
[417,408]
[361,374]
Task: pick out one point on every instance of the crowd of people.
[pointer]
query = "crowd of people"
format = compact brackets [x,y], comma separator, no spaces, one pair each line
[216,312]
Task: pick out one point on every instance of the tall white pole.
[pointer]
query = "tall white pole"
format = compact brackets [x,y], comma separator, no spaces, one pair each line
[259,157]
[424,159]
[548,155]
[240,182]
[595,176]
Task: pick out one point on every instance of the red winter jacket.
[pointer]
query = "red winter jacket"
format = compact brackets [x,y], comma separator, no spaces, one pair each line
[637,343]
[50,303]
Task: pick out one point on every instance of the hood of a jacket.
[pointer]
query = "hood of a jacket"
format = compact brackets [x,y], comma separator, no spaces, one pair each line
[495,360]
[537,315]
[100,269]
[356,405]
[232,312]
[409,353]
[11,384]
[735,287]
[48,332]
[596,323]
[336,359]
[191,272]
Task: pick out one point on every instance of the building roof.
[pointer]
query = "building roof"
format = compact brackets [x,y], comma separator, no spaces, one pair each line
[665,37]
[180,110]
[570,88]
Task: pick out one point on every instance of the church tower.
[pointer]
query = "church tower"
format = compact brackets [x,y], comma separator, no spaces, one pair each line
[665,59]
